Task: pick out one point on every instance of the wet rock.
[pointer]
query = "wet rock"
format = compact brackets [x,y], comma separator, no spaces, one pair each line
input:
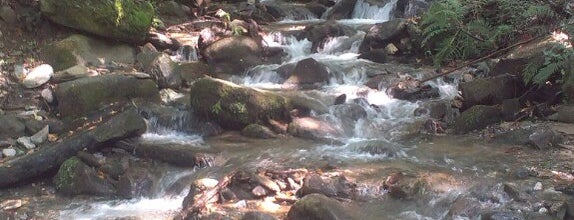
[382,34]
[233,55]
[315,184]
[47,95]
[521,173]
[381,81]
[501,216]
[312,128]
[319,33]
[192,71]
[135,182]
[544,138]
[179,155]
[316,8]
[477,117]
[410,8]
[85,95]
[11,126]
[510,109]
[26,142]
[413,94]
[308,72]
[161,68]
[258,131]
[82,50]
[75,178]
[235,107]
[318,207]
[38,76]
[565,113]
[172,9]
[94,17]
[257,216]
[513,192]
[489,91]
[464,207]
[8,15]
[341,10]
[69,74]
[377,55]
[349,114]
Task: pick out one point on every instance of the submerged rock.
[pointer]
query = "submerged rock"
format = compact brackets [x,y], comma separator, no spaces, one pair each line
[127,20]
[318,207]
[258,131]
[312,128]
[235,107]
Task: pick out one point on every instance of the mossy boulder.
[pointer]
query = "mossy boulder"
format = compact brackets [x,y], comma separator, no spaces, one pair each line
[82,50]
[233,55]
[489,91]
[476,117]
[124,20]
[234,106]
[83,96]
[75,177]
[318,207]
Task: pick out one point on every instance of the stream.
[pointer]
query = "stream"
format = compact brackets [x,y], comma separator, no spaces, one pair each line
[465,172]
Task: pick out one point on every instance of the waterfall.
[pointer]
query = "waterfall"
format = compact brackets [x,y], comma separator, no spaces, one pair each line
[364,10]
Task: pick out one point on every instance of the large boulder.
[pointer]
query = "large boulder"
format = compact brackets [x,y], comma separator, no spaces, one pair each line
[382,34]
[307,73]
[125,20]
[489,91]
[11,127]
[192,71]
[233,55]
[313,128]
[83,96]
[318,207]
[319,33]
[75,177]
[161,68]
[235,107]
[82,50]
[476,117]
[564,113]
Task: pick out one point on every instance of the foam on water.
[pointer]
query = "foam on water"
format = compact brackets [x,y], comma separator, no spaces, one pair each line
[364,10]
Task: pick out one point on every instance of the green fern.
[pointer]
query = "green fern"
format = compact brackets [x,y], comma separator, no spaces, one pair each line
[540,71]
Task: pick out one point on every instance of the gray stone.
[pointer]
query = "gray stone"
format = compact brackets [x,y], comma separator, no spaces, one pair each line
[11,126]
[26,142]
[341,10]
[233,55]
[476,117]
[489,91]
[257,216]
[9,152]
[72,73]
[382,34]
[161,69]
[318,207]
[258,131]
[312,128]
[41,136]
[308,72]
[544,138]
[8,15]
[75,178]
[19,71]
[38,76]
[565,113]
[47,95]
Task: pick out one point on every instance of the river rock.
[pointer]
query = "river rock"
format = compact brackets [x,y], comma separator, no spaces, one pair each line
[258,131]
[308,73]
[161,68]
[349,114]
[341,10]
[318,207]
[544,137]
[8,15]
[26,142]
[501,216]
[233,55]
[489,91]
[382,34]
[85,95]
[319,33]
[9,152]
[312,128]
[476,117]
[11,126]
[192,71]
[75,178]
[41,136]
[82,50]
[235,107]
[377,55]
[69,74]
[258,216]
[564,113]
[47,95]
[410,8]
[130,24]
[377,148]
[136,182]
[38,76]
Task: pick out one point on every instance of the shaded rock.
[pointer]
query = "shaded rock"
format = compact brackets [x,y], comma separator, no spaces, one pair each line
[565,113]
[341,10]
[377,147]
[233,55]
[179,155]
[257,216]
[318,207]
[382,34]
[82,50]
[85,95]
[235,107]
[192,71]
[161,68]
[489,91]
[8,15]
[38,76]
[315,184]
[135,183]
[47,95]
[381,81]
[312,128]
[410,8]
[476,117]
[69,74]
[501,216]
[377,55]
[102,18]
[349,114]
[75,178]
[41,136]
[26,142]
[510,109]
[308,72]
[319,33]
[316,8]
[437,109]
[11,126]
[258,131]
[544,138]
[422,92]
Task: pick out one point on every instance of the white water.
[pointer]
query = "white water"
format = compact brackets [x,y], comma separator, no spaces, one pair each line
[364,10]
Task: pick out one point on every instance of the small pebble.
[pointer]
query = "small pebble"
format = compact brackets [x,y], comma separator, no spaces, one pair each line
[543,210]
[538,186]
[9,152]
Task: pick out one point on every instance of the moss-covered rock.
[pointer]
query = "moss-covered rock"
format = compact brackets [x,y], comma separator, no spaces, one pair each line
[233,55]
[125,20]
[235,107]
[258,131]
[82,96]
[75,177]
[82,50]
[476,117]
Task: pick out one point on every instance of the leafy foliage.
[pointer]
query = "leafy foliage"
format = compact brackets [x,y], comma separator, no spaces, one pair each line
[553,65]
[462,29]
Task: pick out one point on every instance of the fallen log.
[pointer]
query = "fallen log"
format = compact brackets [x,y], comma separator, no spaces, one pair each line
[48,158]
[173,154]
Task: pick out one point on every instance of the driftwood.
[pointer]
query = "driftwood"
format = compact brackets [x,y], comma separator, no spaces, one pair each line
[198,205]
[49,158]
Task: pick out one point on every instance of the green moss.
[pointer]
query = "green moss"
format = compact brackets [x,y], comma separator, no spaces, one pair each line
[65,175]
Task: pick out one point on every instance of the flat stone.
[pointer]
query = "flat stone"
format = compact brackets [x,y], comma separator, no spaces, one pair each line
[41,136]
[38,76]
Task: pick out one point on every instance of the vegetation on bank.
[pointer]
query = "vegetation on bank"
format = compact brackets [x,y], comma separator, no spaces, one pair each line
[470,29]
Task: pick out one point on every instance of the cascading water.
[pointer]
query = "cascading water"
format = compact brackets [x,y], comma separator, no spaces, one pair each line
[365,10]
